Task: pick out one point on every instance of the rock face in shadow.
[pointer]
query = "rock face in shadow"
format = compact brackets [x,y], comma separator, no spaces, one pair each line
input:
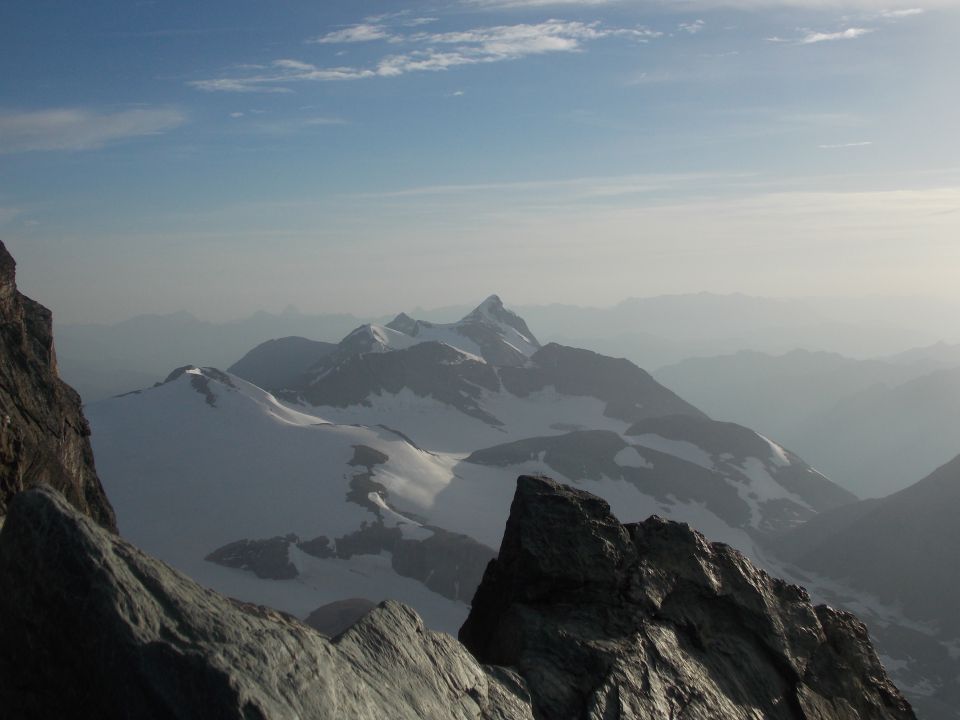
[649,620]
[44,437]
[91,626]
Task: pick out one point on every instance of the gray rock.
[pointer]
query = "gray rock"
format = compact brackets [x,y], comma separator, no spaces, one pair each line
[597,619]
[92,627]
[44,437]
[650,620]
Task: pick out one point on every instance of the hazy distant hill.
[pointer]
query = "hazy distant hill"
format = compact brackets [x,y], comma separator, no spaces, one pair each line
[868,424]
[104,360]
[874,440]
[663,330]
[778,392]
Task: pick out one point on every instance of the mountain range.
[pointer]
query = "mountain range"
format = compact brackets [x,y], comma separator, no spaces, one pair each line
[103,360]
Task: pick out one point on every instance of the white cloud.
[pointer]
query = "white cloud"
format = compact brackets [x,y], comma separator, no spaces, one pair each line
[848,34]
[692,27]
[812,37]
[355,33]
[435,52]
[81,129]
[897,14]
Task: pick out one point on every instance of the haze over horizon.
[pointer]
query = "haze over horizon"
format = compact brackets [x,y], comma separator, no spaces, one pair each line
[356,157]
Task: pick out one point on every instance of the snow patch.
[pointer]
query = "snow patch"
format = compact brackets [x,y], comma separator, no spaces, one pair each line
[678,448]
[630,457]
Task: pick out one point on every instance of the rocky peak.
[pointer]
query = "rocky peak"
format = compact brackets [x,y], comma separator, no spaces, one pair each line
[493,312]
[407,325]
[44,437]
[649,620]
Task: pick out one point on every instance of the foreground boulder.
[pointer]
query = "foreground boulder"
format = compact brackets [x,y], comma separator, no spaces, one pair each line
[44,437]
[92,627]
[649,620]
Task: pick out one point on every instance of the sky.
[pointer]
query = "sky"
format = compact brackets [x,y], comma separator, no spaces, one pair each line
[225,156]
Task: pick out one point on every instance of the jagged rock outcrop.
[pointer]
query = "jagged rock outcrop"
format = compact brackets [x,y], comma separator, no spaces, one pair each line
[598,620]
[44,437]
[92,627]
[649,620]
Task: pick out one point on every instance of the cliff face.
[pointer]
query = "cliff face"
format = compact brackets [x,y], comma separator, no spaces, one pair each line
[44,438]
[649,620]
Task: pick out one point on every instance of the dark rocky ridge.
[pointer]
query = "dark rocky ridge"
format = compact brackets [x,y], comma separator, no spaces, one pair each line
[649,620]
[44,437]
[599,620]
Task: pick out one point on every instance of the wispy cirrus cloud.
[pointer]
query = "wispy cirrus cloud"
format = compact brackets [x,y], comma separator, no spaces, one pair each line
[691,27]
[365,32]
[897,14]
[812,37]
[81,129]
[429,52]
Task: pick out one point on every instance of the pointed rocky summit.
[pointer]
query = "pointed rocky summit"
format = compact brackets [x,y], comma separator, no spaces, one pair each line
[649,620]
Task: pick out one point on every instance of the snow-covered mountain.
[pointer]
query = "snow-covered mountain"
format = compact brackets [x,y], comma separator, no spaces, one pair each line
[490,334]
[297,510]
[387,472]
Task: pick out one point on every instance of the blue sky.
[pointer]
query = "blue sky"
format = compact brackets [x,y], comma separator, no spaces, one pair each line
[222,157]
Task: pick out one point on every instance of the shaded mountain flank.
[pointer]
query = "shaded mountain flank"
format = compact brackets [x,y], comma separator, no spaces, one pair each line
[902,548]
[281,363]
